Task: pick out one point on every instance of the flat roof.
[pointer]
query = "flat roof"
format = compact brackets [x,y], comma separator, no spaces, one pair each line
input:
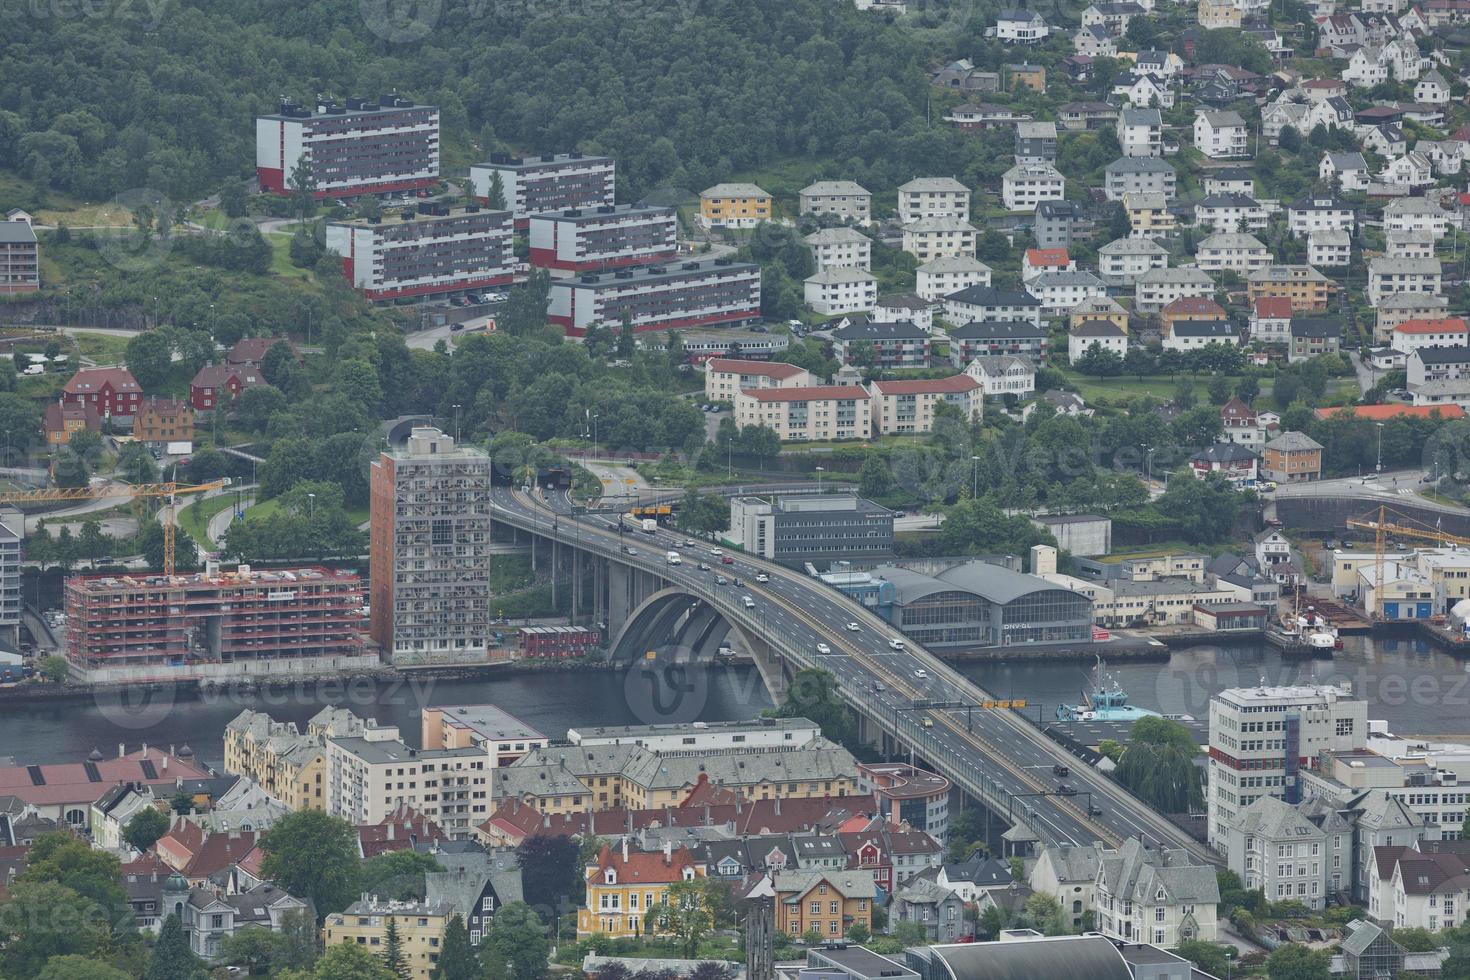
[379,752]
[632,732]
[655,273]
[605,211]
[545,159]
[488,720]
[392,218]
[255,576]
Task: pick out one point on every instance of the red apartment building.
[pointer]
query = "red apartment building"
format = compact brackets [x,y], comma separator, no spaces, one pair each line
[220,384]
[109,391]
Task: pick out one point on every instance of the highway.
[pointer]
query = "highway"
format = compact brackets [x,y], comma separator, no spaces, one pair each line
[1004,756]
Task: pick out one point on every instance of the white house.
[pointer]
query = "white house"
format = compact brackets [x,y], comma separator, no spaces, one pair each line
[1411,335]
[1230,212]
[1188,335]
[1415,214]
[1270,321]
[840,248]
[932,197]
[841,290]
[1092,41]
[1387,276]
[1329,248]
[1410,170]
[1141,132]
[1350,170]
[1024,187]
[1095,333]
[1122,261]
[933,238]
[1242,253]
[1432,89]
[1144,90]
[1318,212]
[1061,291]
[1004,374]
[1068,873]
[1022,26]
[939,277]
[1157,288]
[1157,897]
[1221,135]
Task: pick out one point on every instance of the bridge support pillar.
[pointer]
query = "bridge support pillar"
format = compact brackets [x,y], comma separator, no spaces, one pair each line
[772,668]
[619,594]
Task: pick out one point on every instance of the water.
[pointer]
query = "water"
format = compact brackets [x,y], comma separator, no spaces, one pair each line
[550,701]
[1417,687]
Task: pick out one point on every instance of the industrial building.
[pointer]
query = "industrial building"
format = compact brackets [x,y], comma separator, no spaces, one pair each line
[581,240]
[544,184]
[817,527]
[433,249]
[351,148]
[430,550]
[977,604]
[660,297]
[214,624]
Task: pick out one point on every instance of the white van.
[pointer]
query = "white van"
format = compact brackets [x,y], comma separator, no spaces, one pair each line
[673,558]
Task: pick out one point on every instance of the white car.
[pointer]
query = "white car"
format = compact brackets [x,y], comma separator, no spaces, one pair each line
[688,543]
[895,643]
[763,577]
[921,674]
[717,552]
[823,649]
[853,627]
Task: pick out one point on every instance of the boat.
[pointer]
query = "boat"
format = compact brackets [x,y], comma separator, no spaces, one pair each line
[1315,631]
[1103,700]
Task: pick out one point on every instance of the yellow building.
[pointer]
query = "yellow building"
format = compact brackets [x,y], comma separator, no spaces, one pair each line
[1308,289]
[287,764]
[1098,308]
[734,206]
[420,930]
[623,885]
[1149,215]
[830,902]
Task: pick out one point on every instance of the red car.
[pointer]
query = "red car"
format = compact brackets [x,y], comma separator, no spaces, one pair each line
[727,560]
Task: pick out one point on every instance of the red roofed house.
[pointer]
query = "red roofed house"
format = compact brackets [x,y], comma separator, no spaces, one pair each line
[62,420]
[800,414]
[908,406]
[1271,320]
[1411,335]
[66,791]
[400,830]
[252,350]
[724,377]
[1039,260]
[220,384]
[1382,413]
[622,885]
[1240,424]
[111,391]
[197,853]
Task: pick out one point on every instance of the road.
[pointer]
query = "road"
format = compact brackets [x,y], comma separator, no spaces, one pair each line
[1390,486]
[996,749]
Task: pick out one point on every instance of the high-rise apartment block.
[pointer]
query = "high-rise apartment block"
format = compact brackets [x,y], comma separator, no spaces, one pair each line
[430,550]
[544,184]
[433,249]
[351,148]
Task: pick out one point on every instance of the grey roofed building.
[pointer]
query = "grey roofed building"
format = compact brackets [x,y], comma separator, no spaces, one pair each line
[836,236]
[1221,329]
[861,328]
[471,877]
[1321,326]
[1062,957]
[928,185]
[1348,161]
[827,188]
[1139,165]
[1225,118]
[938,909]
[739,858]
[1141,117]
[1442,355]
[857,963]
[1097,328]
[1133,246]
[904,301]
[819,851]
[1136,873]
[1050,614]
[990,296]
[593,964]
[979,870]
[1224,453]
[17,233]
[849,883]
[1293,441]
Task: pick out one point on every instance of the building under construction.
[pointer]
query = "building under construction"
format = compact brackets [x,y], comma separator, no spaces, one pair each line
[215,624]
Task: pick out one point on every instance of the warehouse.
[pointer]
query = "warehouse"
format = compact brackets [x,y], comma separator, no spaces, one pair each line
[975,603]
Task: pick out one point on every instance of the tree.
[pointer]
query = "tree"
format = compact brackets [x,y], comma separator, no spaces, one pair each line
[253,948]
[703,512]
[143,831]
[396,875]
[813,695]
[1289,139]
[1294,962]
[55,669]
[551,871]
[302,184]
[149,356]
[1204,510]
[1184,396]
[908,933]
[393,957]
[345,961]
[1247,388]
[858,933]
[313,855]
[1158,764]
[74,967]
[457,959]
[232,199]
[96,876]
[20,420]
[525,306]
[172,958]
[71,470]
[516,943]
[1099,362]
[1209,957]
[875,479]
[41,920]
[1045,914]
[495,197]
[683,914]
[1219,389]
[182,803]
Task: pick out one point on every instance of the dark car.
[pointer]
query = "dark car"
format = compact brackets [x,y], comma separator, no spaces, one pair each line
[1065,789]
[726,560]
[1093,810]
[1060,770]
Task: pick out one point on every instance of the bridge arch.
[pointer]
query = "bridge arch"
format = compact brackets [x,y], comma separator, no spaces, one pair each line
[677,624]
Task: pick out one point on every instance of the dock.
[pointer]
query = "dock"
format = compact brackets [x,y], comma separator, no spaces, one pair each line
[1345,619]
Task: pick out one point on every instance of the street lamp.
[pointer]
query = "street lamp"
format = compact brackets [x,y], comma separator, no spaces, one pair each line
[456,422]
[819,479]
[310,505]
[974,477]
[1379,467]
[1148,464]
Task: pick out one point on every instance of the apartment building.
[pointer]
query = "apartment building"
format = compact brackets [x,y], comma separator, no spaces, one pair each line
[1242,254]
[1105,309]
[610,236]
[110,391]
[984,303]
[545,184]
[1095,333]
[1415,214]
[622,885]
[1411,335]
[429,550]
[1221,135]
[734,206]
[1329,249]
[940,277]
[1262,738]
[1059,292]
[419,925]
[829,902]
[217,385]
[1387,276]
[1307,289]
[1003,374]
[372,774]
[1024,187]
[1152,896]
[12,528]
[1139,175]
[840,248]
[1157,288]
[843,199]
[907,407]
[1313,336]
[501,736]
[1314,213]
[355,147]
[20,269]
[1301,852]
[717,736]
[1292,457]
[893,343]
[1036,142]
[989,338]
[1141,132]
[1149,216]
[1122,261]
[160,421]
[1230,213]
[700,293]
[941,237]
[286,763]
[433,249]
[805,414]
[1060,224]
[1398,307]
[214,624]
[724,377]
[932,197]
[1187,335]
[832,292]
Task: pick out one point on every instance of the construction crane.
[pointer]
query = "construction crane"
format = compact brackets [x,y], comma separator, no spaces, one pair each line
[53,495]
[1402,526]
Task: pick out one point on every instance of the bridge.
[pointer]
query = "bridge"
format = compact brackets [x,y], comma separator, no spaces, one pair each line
[907,698]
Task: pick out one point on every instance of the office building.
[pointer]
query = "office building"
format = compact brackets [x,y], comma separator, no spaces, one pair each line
[430,550]
[433,249]
[606,237]
[545,184]
[816,527]
[351,148]
[908,795]
[1261,738]
[214,624]
[20,270]
[699,293]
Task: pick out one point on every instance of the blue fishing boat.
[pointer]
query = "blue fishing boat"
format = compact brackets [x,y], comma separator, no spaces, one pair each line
[1103,700]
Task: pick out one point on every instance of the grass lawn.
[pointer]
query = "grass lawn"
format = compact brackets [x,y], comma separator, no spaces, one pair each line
[102,348]
[268,507]
[195,518]
[281,256]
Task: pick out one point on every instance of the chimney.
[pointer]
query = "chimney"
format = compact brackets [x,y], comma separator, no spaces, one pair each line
[778,806]
[668,852]
[165,763]
[121,750]
[145,750]
[391,828]
[625,848]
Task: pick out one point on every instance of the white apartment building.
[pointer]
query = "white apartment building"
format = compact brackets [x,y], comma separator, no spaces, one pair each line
[367,777]
[1004,374]
[841,290]
[932,197]
[1141,132]
[842,198]
[1387,276]
[1300,852]
[1139,175]
[1411,335]
[936,238]
[437,249]
[1242,253]
[1415,214]
[1024,187]
[1261,738]
[801,414]
[1023,26]
[1230,212]
[1329,248]
[1158,288]
[1121,262]
[1221,135]
[1312,214]
[840,248]
[1100,333]
[907,407]
[724,376]
[1155,896]
[939,277]
[1063,291]
[719,737]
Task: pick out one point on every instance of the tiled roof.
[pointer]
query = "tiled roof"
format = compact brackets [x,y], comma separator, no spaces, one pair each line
[953,383]
[766,369]
[91,380]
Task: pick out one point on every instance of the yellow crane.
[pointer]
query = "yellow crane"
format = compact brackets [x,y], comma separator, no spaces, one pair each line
[1402,525]
[53,495]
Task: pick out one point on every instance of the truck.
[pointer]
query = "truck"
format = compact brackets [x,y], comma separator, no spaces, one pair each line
[650,526]
[673,558]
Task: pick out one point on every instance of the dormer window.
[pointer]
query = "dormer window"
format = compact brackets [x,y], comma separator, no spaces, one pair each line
[688,874]
[610,876]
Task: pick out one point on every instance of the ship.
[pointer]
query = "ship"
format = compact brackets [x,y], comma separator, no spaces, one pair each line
[1314,631]
[1103,700]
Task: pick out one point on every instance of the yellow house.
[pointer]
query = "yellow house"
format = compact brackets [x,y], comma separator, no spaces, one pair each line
[288,765]
[734,206]
[623,885]
[830,902]
[1098,308]
[1149,215]
[420,930]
